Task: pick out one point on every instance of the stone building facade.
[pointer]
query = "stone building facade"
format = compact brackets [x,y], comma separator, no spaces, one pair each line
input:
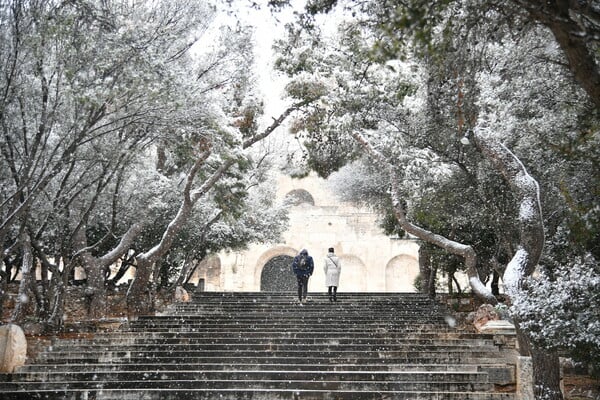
[371,261]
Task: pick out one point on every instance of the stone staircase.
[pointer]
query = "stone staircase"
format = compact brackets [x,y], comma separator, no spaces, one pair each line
[267,346]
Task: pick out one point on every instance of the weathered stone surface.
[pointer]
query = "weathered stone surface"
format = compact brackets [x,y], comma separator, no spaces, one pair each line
[483,315]
[525,378]
[13,348]
[181,295]
[498,327]
[503,375]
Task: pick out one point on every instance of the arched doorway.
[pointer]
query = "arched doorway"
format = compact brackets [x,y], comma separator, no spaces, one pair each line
[354,274]
[400,274]
[277,275]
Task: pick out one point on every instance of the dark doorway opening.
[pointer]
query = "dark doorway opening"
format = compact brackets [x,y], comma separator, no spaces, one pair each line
[277,275]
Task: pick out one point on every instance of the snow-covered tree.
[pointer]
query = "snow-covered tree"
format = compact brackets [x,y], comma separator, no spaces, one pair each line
[85,87]
[117,119]
[493,100]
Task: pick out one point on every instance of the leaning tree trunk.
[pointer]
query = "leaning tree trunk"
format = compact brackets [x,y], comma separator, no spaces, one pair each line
[55,320]
[139,298]
[465,251]
[95,268]
[546,368]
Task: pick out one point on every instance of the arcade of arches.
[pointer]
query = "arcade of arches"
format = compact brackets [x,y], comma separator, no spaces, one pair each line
[371,261]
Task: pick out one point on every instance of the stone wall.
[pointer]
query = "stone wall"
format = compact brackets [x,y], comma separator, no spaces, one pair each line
[371,261]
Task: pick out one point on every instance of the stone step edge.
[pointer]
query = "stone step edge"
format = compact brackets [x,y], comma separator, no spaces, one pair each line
[271,346]
[292,391]
[425,368]
[241,384]
[479,361]
[273,371]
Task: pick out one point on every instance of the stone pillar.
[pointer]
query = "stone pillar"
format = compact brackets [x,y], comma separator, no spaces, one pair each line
[524,378]
[13,348]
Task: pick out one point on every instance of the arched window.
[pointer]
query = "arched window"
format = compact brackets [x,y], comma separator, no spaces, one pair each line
[299,196]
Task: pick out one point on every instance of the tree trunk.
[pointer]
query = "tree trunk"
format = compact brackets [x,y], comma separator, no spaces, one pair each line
[560,16]
[424,269]
[95,268]
[139,301]
[495,281]
[432,280]
[188,268]
[526,190]
[55,320]
[95,291]
[458,288]
[546,374]
[139,295]
[27,275]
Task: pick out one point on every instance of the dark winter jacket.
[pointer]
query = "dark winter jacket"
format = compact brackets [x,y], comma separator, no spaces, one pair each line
[309,267]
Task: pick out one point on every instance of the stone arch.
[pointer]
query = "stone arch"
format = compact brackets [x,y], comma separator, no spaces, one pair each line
[272,263]
[299,196]
[400,273]
[277,276]
[354,276]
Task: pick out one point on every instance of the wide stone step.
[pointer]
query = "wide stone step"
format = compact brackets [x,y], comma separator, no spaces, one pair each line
[311,305]
[241,348]
[293,320]
[387,310]
[293,327]
[290,324]
[279,358]
[473,338]
[246,394]
[382,296]
[305,312]
[201,341]
[262,375]
[123,365]
[242,384]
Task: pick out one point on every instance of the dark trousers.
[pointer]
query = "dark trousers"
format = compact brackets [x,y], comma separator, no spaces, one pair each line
[302,286]
[332,293]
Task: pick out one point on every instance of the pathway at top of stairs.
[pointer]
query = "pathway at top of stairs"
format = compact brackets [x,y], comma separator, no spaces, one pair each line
[268,346]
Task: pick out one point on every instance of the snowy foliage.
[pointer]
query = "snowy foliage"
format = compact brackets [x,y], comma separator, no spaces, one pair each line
[120,115]
[472,67]
[562,308]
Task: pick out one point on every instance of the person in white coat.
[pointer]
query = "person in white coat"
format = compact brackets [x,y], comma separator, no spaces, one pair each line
[333,269]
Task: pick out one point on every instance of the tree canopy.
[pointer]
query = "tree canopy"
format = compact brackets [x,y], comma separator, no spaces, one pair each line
[485,126]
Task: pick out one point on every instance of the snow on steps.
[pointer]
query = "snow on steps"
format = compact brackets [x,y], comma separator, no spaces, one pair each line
[266,346]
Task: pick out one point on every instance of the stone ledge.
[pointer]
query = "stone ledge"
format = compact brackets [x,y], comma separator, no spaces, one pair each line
[498,327]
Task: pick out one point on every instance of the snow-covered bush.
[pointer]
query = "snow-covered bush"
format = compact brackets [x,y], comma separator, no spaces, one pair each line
[561,310]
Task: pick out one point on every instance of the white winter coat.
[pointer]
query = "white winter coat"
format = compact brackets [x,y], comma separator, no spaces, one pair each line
[333,267]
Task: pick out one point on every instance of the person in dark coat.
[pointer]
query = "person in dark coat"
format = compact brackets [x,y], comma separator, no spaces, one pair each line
[303,266]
